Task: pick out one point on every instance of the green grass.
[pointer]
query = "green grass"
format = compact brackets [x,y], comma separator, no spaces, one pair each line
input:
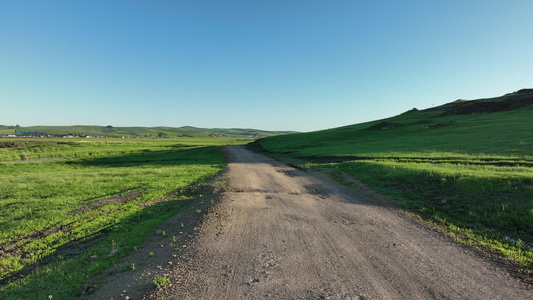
[161,281]
[470,173]
[102,195]
[504,135]
[20,149]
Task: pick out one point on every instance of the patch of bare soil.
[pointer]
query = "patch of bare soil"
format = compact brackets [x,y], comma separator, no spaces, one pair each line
[15,144]
[124,198]
[19,144]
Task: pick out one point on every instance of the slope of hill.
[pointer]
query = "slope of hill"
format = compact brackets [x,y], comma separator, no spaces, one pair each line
[187,131]
[466,167]
[495,126]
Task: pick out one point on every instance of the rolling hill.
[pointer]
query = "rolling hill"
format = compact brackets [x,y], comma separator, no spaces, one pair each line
[110,131]
[493,126]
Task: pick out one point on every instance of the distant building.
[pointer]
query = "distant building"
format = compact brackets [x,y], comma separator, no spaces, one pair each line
[31,134]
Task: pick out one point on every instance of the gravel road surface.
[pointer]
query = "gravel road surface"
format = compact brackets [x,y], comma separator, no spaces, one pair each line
[281,233]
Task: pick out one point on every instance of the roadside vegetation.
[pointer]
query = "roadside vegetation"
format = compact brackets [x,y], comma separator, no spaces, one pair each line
[69,209]
[465,167]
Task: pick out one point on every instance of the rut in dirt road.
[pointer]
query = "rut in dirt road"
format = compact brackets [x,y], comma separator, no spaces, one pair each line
[281,233]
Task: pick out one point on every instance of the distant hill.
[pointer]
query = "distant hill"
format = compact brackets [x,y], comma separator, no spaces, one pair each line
[111,131]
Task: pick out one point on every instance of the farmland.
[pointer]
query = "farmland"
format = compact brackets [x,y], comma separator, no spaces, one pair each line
[464,167]
[63,202]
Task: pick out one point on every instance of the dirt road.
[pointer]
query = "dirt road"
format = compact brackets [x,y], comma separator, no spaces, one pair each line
[281,233]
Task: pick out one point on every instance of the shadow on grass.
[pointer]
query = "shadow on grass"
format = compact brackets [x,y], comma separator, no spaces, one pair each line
[501,203]
[189,156]
[465,160]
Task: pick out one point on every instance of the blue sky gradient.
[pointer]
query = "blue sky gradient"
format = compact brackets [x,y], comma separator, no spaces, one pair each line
[273,65]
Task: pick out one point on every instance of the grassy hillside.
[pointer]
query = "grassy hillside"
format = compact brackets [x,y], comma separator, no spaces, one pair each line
[187,131]
[465,166]
[437,132]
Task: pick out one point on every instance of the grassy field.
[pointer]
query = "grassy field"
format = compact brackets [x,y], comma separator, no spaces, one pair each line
[465,167]
[28,149]
[89,197]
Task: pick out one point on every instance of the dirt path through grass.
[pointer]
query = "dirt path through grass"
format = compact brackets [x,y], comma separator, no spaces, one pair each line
[281,233]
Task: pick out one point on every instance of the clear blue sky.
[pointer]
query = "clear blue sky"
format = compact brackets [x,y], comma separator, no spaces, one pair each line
[274,65]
